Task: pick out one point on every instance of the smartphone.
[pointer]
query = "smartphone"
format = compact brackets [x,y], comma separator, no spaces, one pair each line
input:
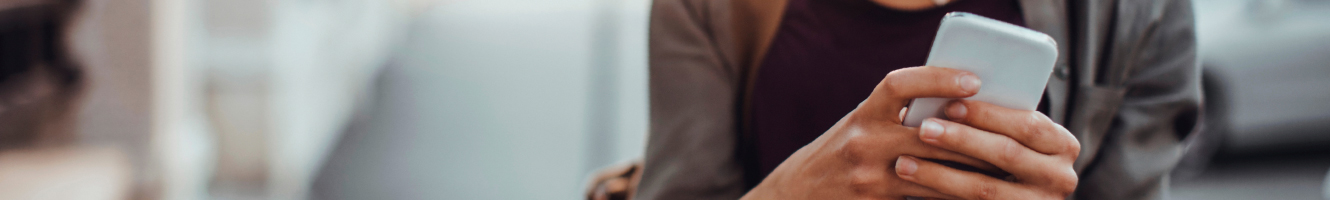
[1013,62]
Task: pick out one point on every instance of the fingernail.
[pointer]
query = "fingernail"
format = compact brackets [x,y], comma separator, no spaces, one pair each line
[930,130]
[956,111]
[906,166]
[969,82]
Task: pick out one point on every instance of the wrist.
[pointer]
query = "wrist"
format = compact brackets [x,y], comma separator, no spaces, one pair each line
[772,187]
[763,191]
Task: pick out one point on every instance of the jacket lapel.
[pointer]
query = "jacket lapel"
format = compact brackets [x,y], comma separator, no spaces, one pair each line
[1088,117]
[753,24]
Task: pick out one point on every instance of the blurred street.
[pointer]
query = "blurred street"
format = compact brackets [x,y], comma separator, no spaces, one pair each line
[1275,177]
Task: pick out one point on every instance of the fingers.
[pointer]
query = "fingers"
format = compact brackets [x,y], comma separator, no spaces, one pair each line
[1030,128]
[916,190]
[963,184]
[615,188]
[999,150]
[911,189]
[614,181]
[920,149]
[902,85]
[881,181]
[867,146]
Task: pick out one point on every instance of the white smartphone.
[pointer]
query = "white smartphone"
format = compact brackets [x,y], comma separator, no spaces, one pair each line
[1013,62]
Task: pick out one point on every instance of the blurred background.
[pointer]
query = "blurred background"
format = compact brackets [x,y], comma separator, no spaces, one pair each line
[365,99]
[1265,69]
[523,99]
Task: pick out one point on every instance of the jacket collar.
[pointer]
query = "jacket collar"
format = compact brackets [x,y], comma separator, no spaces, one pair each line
[754,24]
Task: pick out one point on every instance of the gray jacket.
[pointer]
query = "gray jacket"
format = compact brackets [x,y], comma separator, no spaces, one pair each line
[1127,84]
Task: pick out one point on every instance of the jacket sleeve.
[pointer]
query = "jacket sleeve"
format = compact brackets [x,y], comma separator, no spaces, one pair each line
[693,92]
[1160,105]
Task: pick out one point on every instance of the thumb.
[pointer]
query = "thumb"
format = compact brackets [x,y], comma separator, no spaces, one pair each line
[900,86]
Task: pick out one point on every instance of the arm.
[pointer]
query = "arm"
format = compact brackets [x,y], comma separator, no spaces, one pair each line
[1160,108]
[691,142]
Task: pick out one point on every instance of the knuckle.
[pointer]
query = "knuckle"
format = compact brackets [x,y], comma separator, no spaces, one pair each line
[1066,183]
[850,153]
[1065,189]
[896,73]
[889,84]
[1011,152]
[1034,128]
[1074,146]
[1059,185]
[867,179]
[857,147]
[1074,149]
[985,191]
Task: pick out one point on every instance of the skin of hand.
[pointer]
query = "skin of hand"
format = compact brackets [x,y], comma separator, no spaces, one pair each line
[855,159]
[615,182]
[1037,152]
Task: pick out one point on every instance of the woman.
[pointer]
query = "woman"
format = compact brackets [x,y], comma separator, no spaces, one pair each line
[787,99]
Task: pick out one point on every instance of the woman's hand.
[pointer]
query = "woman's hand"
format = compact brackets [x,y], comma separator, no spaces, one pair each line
[856,158]
[1037,152]
[616,182]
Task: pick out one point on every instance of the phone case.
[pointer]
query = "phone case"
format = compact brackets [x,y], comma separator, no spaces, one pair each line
[1013,62]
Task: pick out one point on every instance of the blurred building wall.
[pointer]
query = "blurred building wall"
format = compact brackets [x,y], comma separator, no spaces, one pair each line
[243,99]
[112,40]
[281,78]
[500,99]
[137,96]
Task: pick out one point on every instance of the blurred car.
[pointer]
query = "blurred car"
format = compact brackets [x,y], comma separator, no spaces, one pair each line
[1269,65]
[1266,74]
